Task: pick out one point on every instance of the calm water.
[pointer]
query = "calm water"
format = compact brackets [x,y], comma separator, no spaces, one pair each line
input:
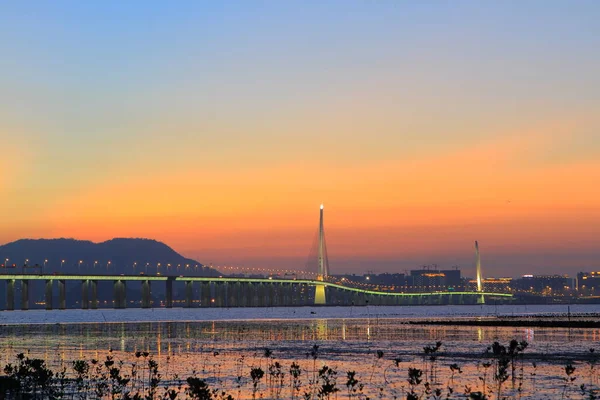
[223,344]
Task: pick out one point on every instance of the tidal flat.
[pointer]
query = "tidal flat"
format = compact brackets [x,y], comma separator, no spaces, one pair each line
[368,355]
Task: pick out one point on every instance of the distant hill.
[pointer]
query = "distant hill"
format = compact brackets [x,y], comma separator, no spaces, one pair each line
[116,256]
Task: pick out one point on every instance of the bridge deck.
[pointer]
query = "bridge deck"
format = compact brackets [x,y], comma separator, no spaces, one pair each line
[180,278]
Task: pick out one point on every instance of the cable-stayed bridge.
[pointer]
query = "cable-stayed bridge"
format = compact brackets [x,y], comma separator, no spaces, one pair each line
[221,291]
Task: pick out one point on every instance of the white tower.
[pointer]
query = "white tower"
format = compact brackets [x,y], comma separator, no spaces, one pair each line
[480,300]
[322,271]
[322,261]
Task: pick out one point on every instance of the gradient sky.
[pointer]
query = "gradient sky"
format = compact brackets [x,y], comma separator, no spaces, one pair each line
[219,128]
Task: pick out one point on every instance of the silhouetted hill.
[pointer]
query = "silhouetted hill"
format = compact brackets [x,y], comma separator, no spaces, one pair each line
[116,256]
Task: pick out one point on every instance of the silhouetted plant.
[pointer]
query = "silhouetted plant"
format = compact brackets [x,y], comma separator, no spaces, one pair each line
[118,383]
[430,353]
[414,380]
[483,379]
[515,349]
[568,379]
[327,382]
[351,383]
[256,374]
[295,373]
[454,368]
[276,375]
[378,356]
[591,361]
[239,379]
[314,353]
[198,389]
[32,375]
[267,353]
[153,378]
[501,374]
[82,377]
[533,374]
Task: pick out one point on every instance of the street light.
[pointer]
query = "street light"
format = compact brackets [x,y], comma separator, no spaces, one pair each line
[95,262]
[107,264]
[44,265]
[134,264]
[61,264]
[79,266]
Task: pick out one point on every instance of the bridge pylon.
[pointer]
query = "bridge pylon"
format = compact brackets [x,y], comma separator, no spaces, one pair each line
[323,264]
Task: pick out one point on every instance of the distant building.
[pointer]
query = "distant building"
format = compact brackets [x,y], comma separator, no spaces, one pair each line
[453,279]
[543,284]
[588,283]
[492,285]
[434,280]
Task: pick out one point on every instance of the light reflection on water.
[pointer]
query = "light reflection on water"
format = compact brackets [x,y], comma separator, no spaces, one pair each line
[184,337]
[214,348]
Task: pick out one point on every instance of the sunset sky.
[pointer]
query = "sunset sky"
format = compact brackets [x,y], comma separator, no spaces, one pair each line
[219,129]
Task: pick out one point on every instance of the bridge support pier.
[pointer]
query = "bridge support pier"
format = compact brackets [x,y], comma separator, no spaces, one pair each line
[272,295]
[320,295]
[146,294]
[244,295]
[48,297]
[285,294]
[94,294]
[205,296]
[233,294]
[480,299]
[119,295]
[189,293]
[85,298]
[252,294]
[62,295]
[262,297]
[24,294]
[10,294]
[220,294]
[169,294]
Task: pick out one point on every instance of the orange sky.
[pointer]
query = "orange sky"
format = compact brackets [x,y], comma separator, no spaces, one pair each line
[426,209]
